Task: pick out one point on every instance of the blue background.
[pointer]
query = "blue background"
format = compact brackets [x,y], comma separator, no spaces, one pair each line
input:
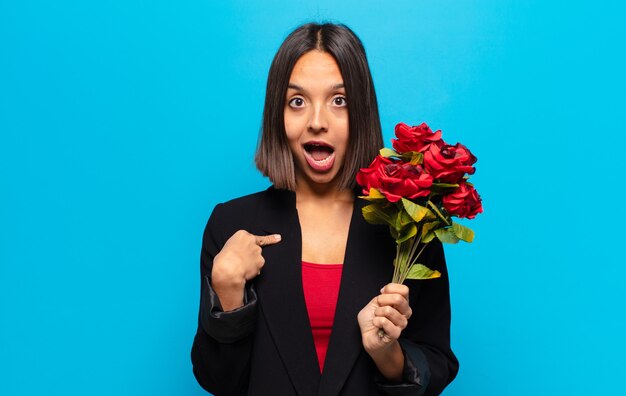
[122,123]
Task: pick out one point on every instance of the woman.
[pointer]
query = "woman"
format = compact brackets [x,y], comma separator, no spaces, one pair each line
[291,298]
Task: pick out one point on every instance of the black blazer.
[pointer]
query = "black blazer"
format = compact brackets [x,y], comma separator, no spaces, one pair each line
[266,347]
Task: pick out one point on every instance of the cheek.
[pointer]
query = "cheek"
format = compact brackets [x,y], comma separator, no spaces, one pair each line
[293,126]
[345,134]
[293,137]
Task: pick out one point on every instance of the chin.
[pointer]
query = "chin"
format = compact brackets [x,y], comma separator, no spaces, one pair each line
[321,180]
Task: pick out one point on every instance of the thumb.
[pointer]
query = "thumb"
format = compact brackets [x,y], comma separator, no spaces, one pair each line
[265,240]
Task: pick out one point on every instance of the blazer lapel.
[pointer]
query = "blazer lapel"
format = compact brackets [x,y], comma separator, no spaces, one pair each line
[281,297]
[367,268]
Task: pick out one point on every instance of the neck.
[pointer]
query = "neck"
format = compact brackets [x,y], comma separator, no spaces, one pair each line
[323,193]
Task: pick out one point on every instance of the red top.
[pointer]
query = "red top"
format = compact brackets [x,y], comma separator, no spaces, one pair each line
[321,289]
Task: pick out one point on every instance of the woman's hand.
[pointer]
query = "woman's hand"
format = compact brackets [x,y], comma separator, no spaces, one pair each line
[389,311]
[239,261]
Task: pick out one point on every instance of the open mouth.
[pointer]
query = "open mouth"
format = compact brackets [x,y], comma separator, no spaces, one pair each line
[319,155]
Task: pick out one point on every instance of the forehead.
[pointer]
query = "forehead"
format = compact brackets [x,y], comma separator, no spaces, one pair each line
[316,66]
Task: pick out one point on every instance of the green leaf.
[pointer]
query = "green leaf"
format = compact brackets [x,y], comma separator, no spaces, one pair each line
[402,219]
[445,185]
[393,232]
[428,237]
[446,235]
[374,214]
[387,152]
[406,233]
[428,230]
[412,157]
[442,188]
[374,195]
[417,212]
[416,158]
[462,232]
[420,271]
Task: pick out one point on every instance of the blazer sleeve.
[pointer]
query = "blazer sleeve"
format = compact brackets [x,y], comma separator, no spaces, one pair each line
[221,348]
[430,364]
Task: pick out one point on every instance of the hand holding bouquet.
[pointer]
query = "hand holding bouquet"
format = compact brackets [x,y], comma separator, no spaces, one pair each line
[416,189]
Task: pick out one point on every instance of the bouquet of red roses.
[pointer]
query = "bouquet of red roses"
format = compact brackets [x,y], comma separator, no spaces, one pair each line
[416,189]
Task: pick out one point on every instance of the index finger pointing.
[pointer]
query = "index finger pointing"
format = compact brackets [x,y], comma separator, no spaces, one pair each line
[266,240]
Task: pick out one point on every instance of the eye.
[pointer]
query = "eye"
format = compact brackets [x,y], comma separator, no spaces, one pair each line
[340,101]
[296,102]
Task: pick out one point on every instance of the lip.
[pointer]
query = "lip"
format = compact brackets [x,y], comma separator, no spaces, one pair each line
[319,165]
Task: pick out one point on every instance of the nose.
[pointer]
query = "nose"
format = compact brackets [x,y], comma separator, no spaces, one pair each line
[318,120]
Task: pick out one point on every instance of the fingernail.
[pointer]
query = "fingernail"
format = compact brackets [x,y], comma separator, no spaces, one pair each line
[277,237]
[382,290]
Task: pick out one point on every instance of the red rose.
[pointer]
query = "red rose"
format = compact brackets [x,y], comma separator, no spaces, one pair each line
[395,179]
[405,181]
[414,138]
[463,202]
[447,163]
[370,177]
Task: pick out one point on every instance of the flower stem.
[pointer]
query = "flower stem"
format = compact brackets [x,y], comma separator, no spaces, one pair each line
[434,207]
[406,257]
[419,254]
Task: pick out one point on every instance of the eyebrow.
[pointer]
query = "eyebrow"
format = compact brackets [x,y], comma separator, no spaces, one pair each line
[299,88]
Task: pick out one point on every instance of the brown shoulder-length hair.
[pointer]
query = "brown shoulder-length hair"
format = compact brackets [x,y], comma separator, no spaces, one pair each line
[273,157]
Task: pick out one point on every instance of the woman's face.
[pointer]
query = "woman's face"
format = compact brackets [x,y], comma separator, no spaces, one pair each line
[316,118]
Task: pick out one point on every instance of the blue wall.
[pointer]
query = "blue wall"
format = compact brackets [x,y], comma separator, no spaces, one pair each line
[122,123]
